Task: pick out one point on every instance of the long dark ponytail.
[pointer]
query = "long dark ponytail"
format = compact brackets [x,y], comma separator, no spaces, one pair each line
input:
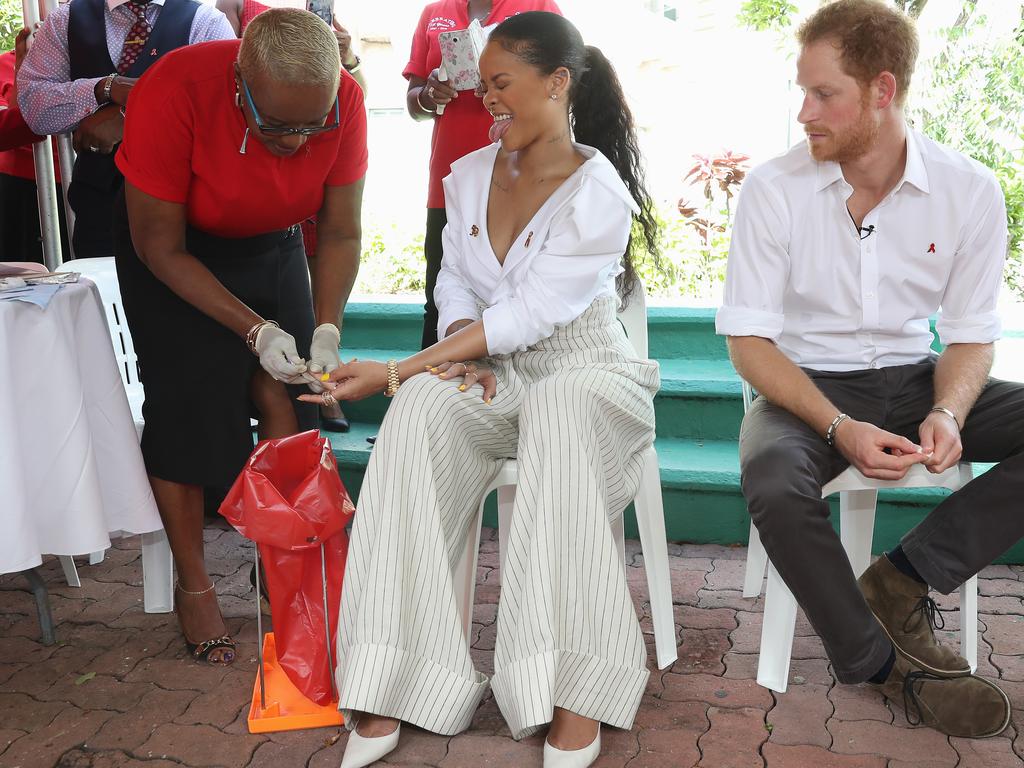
[598,113]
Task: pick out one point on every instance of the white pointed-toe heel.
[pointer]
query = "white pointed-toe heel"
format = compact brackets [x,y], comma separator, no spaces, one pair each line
[572,758]
[362,751]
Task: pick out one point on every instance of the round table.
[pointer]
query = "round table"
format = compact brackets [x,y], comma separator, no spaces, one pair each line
[71,473]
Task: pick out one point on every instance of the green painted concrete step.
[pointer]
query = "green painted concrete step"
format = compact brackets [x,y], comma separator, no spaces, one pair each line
[674,332]
[700,490]
[700,399]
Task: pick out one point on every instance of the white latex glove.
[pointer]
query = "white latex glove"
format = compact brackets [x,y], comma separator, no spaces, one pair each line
[278,355]
[323,353]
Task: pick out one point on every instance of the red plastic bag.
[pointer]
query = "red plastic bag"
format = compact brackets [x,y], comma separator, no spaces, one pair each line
[290,500]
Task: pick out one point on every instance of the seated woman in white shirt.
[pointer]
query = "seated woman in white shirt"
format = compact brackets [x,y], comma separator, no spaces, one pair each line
[533,364]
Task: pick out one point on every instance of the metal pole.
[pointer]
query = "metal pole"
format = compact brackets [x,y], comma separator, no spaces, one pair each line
[66,156]
[327,621]
[259,628]
[66,153]
[46,192]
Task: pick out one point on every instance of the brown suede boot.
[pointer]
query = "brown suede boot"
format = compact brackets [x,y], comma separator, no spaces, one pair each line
[970,706]
[909,616]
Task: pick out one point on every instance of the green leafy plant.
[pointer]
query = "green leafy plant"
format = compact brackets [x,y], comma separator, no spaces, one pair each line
[766,15]
[11,22]
[974,102]
[392,261]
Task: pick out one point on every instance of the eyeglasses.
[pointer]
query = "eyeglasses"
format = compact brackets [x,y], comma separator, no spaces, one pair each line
[273,130]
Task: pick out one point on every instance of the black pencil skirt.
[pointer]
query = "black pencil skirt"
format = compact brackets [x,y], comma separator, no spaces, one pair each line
[196,372]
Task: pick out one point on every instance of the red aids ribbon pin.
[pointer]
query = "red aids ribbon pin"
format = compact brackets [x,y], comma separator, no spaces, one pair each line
[931,248]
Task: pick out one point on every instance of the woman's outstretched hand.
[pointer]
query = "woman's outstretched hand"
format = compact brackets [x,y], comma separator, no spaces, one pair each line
[353,381]
[471,373]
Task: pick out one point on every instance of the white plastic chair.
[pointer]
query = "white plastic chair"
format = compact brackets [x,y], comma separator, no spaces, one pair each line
[858,496]
[157,564]
[650,516]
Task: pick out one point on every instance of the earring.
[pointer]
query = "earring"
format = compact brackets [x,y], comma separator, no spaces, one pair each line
[554,97]
[245,140]
[238,99]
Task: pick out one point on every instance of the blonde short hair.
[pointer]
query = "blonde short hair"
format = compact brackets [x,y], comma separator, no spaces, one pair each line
[290,45]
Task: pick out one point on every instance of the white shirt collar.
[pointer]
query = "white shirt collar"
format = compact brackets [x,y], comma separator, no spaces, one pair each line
[914,172]
[112,4]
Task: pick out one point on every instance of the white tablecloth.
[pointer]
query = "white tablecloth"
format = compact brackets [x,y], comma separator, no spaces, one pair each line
[71,473]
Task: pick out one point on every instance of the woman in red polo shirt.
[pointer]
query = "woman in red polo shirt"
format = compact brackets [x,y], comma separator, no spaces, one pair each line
[463,126]
[227,146]
[239,13]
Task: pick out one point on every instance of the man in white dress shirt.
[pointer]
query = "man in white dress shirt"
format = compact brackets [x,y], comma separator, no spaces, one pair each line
[842,250]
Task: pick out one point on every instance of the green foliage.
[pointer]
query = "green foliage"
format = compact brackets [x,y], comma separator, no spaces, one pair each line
[766,15]
[974,102]
[392,261]
[11,22]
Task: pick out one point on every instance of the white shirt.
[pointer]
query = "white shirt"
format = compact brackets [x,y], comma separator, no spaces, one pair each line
[800,273]
[568,255]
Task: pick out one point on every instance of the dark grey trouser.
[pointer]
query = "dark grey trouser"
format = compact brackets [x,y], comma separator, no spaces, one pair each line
[784,465]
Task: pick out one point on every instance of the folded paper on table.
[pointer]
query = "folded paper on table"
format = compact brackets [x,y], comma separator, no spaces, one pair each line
[39,295]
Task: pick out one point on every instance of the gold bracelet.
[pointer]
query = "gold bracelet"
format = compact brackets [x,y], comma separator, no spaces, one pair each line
[425,110]
[393,381]
[253,334]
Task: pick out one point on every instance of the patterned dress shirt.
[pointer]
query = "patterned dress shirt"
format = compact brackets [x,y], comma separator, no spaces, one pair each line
[50,100]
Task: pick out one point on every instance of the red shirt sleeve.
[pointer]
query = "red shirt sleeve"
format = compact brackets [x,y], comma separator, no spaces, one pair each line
[156,151]
[417,66]
[350,165]
[14,131]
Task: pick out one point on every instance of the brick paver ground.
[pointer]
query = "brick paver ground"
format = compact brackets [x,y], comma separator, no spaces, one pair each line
[118,689]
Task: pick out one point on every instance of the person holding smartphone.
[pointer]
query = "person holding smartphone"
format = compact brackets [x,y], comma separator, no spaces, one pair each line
[463,126]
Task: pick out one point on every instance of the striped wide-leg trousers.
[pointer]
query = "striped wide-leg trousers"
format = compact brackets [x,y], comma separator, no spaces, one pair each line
[577,411]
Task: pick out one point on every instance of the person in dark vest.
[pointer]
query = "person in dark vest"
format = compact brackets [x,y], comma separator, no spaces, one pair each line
[77,75]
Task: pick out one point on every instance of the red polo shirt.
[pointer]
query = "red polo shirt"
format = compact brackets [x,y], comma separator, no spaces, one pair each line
[464,125]
[183,132]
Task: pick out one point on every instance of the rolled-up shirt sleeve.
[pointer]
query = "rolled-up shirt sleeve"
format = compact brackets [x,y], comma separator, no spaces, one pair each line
[758,266]
[453,297]
[968,309]
[583,250]
[51,102]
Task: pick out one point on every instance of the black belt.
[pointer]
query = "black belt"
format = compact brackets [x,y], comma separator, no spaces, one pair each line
[213,246]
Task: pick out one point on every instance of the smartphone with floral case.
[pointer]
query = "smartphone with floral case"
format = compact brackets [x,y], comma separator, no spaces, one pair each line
[460,55]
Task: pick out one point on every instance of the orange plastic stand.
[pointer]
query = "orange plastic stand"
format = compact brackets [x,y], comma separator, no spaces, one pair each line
[287,709]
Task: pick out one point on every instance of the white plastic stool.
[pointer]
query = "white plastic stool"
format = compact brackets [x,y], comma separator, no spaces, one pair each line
[157,564]
[858,496]
[650,517]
